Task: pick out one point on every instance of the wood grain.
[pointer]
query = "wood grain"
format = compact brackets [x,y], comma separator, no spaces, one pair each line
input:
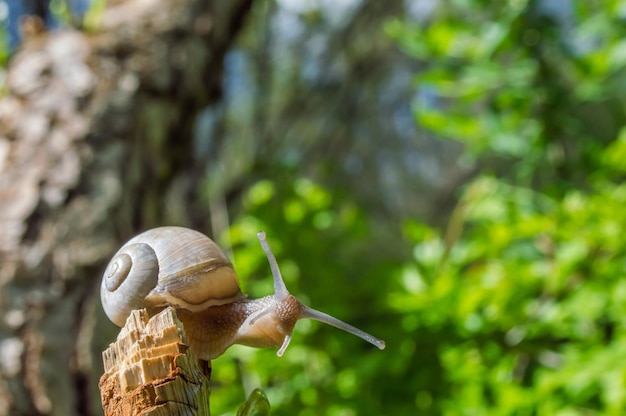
[150,370]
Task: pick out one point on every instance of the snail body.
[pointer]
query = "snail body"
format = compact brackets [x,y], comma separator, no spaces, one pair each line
[184,269]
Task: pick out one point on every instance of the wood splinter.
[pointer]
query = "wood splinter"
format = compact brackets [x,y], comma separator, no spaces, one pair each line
[150,370]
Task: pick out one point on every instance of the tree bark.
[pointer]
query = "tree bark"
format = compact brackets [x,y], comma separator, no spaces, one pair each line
[95,144]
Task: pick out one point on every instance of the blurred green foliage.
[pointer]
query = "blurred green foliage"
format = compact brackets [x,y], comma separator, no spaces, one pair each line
[517,306]
[4,53]
[525,287]
[536,84]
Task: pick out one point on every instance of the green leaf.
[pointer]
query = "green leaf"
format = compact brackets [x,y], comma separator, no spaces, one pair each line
[256,405]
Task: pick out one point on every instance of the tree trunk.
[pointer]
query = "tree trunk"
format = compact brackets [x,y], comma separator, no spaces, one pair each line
[95,144]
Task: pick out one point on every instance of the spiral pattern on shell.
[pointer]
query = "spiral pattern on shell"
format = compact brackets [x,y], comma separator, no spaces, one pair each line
[130,276]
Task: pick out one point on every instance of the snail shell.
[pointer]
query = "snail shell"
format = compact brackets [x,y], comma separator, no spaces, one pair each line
[151,272]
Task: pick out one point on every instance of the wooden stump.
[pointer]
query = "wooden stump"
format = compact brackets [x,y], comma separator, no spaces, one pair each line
[150,370]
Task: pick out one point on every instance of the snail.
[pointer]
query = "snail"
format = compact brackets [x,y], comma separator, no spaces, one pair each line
[183,268]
